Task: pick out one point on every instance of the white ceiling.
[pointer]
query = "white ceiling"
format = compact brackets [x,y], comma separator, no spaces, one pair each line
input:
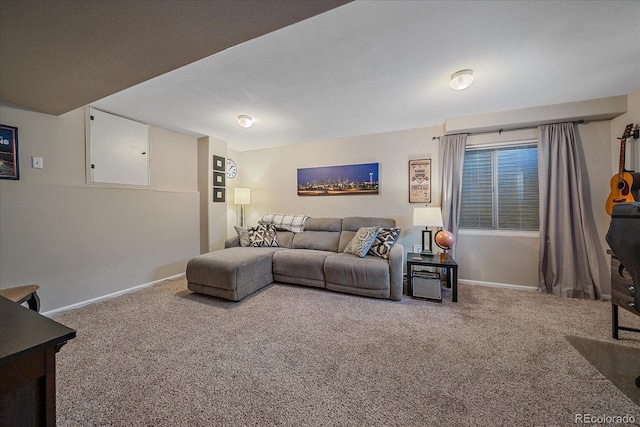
[377,66]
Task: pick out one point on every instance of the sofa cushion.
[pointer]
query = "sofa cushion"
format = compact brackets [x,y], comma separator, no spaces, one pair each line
[263,235]
[301,266]
[370,272]
[285,239]
[362,241]
[316,240]
[323,224]
[384,241]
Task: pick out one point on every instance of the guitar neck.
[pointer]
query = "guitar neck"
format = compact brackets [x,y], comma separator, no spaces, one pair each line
[623,144]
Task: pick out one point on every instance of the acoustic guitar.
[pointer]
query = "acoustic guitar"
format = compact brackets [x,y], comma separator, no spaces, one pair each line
[622,183]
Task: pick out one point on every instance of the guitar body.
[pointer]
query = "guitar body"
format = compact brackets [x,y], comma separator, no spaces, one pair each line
[622,190]
[622,183]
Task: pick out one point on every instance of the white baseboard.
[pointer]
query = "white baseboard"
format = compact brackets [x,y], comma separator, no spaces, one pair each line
[603,297]
[106,297]
[498,285]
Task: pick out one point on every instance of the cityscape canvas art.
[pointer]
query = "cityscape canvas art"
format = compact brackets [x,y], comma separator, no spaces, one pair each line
[339,180]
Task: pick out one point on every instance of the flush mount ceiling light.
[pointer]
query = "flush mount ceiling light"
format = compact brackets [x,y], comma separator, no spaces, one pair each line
[461,80]
[245,121]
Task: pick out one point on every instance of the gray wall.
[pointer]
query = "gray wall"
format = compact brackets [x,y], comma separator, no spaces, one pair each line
[80,242]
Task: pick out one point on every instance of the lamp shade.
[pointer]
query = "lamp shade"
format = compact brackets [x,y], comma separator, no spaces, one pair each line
[427,217]
[243,196]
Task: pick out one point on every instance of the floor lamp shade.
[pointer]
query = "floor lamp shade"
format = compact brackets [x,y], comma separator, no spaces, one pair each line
[242,197]
[427,217]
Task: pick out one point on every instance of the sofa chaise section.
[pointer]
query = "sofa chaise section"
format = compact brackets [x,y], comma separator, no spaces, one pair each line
[231,273]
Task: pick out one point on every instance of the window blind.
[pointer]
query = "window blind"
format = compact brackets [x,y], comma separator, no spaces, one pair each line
[500,188]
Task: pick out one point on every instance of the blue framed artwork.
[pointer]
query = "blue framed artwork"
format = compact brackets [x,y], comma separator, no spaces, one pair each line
[9,165]
[345,180]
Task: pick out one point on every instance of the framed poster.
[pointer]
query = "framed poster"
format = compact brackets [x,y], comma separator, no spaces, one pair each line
[420,181]
[218,194]
[344,180]
[219,163]
[9,165]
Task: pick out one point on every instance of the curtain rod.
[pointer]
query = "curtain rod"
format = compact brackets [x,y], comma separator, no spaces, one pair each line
[499,131]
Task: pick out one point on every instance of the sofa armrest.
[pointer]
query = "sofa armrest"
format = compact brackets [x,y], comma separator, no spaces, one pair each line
[396,267]
[232,242]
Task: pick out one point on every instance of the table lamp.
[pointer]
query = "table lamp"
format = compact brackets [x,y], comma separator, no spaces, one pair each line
[427,217]
[242,197]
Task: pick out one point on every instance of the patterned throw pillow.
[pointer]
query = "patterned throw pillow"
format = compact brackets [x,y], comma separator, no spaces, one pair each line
[243,235]
[263,235]
[386,238]
[362,241]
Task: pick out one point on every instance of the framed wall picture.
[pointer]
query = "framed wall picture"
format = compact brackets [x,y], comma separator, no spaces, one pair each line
[219,179]
[345,180]
[219,163]
[420,181]
[219,194]
[9,165]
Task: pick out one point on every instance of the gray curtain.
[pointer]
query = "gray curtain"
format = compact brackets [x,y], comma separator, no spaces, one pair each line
[568,264]
[452,148]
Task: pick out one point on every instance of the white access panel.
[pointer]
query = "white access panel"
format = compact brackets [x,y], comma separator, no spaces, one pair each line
[119,150]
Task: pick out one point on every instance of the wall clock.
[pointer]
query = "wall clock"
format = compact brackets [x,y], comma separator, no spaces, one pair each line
[232,169]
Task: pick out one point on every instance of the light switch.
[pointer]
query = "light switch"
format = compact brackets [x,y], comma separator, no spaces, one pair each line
[36,162]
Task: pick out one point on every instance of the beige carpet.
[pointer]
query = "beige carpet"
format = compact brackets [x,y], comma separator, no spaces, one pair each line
[296,356]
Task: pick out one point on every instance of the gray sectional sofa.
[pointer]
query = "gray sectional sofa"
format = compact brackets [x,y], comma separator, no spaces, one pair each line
[313,257]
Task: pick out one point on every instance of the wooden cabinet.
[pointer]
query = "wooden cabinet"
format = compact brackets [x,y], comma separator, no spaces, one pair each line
[622,295]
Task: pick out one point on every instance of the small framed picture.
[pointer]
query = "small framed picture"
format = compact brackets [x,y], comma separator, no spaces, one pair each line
[219,179]
[420,181]
[218,194]
[219,163]
[9,165]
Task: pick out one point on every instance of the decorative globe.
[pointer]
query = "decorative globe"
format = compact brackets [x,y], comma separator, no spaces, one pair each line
[445,239]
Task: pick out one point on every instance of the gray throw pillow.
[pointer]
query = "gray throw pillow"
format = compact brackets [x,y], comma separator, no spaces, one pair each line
[243,235]
[362,241]
[384,241]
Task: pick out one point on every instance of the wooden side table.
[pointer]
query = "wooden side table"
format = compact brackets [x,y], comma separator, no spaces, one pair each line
[28,346]
[416,259]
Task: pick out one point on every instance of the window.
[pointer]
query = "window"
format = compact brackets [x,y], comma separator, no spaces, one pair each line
[500,187]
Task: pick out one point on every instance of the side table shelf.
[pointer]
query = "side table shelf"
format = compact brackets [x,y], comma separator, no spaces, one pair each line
[447,262]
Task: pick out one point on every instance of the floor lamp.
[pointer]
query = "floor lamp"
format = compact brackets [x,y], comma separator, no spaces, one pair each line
[242,197]
[427,217]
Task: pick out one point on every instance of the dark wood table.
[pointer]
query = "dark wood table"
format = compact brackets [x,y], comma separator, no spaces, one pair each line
[435,260]
[28,346]
[622,295]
